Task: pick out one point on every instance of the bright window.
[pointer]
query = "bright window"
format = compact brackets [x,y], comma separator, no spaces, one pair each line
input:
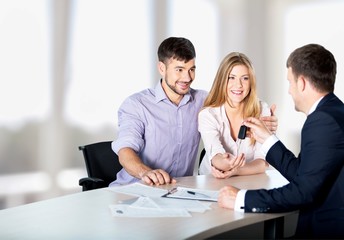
[24,61]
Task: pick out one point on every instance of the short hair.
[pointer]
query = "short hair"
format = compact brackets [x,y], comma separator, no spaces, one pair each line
[317,64]
[178,48]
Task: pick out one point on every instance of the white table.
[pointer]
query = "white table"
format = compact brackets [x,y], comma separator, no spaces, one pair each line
[86,215]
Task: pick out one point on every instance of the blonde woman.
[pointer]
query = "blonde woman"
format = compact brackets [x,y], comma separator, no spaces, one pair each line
[232,98]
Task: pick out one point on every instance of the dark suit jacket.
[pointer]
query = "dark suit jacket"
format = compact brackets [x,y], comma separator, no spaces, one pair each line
[316,176]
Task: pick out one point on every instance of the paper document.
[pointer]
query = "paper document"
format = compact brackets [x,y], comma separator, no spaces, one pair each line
[192,193]
[139,189]
[148,207]
[122,210]
[169,203]
[156,202]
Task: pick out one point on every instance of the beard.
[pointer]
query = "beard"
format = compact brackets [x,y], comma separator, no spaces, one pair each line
[178,91]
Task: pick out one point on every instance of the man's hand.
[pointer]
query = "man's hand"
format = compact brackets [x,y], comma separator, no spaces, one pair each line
[132,163]
[271,122]
[157,177]
[227,196]
[258,130]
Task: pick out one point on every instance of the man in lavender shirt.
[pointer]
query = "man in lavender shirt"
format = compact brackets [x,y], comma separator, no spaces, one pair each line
[158,138]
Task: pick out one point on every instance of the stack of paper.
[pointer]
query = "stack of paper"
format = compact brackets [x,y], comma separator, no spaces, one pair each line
[150,202]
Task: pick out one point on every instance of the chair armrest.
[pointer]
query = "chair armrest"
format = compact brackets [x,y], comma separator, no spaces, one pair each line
[89,183]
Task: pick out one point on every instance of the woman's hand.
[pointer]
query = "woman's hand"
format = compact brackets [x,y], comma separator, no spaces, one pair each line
[227,165]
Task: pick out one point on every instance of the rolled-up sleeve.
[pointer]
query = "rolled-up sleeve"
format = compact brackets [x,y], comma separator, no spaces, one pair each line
[131,127]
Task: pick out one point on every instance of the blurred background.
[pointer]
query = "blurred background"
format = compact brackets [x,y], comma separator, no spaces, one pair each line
[66,66]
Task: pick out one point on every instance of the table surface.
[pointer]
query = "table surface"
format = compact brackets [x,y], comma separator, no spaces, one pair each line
[86,215]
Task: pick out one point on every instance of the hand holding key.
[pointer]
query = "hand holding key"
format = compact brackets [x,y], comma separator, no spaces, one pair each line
[258,129]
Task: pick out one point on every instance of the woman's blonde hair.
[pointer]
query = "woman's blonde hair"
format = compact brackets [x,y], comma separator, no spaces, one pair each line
[218,93]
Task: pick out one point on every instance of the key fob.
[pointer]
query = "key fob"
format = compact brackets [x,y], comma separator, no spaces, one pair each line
[242,132]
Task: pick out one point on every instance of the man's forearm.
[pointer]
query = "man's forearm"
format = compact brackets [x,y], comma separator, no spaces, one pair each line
[131,162]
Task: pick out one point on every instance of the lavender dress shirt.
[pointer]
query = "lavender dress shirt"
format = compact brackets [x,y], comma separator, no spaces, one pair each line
[164,135]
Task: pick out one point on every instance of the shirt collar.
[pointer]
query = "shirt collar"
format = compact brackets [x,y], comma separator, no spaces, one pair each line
[312,109]
[160,94]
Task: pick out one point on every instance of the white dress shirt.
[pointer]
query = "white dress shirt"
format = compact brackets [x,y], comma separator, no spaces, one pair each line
[215,131]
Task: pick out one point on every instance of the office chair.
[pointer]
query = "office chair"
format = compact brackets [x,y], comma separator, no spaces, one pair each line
[201,157]
[102,165]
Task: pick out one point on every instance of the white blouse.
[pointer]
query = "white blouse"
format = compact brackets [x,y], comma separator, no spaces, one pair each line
[216,136]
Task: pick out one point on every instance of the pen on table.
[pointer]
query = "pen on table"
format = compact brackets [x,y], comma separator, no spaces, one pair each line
[195,193]
[173,190]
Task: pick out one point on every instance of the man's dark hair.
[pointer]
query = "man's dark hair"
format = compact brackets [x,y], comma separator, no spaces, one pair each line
[317,64]
[177,48]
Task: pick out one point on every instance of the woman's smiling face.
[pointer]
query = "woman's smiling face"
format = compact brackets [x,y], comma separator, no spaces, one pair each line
[239,84]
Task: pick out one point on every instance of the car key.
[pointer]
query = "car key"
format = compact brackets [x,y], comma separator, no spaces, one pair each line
[241,136]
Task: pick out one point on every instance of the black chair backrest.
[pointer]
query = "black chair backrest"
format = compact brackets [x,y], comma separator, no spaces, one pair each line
[201,157]
[101,161]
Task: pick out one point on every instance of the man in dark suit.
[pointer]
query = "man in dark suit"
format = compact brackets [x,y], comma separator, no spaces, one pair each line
[316,176]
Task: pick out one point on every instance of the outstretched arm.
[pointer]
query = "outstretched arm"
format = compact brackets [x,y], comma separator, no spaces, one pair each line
[135,167]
